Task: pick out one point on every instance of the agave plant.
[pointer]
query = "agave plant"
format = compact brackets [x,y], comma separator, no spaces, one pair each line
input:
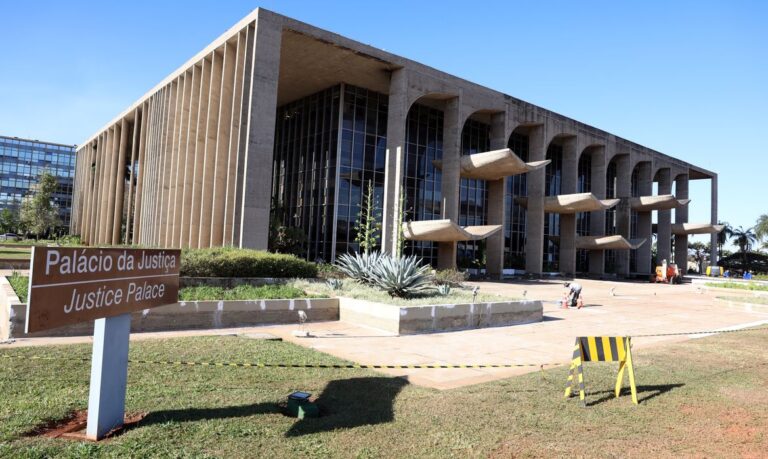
[334,284]
[358,266]
[401,276]
[444,289]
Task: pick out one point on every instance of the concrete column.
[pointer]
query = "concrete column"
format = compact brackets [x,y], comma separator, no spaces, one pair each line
[189,158]
[120,183]
[222,145]
[131,177]
[623,212]
[452,126]
[393,178]
[534,237]
[714,255]
[108,196]
[644,221]
[137,213]
[171,164]
[664,224]
[496,207]
[681,216]
[597,218]
[257,188]
[209,158]
[234,139]
[570,177]
[199,156]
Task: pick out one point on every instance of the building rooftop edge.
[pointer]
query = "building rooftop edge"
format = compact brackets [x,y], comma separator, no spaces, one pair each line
[38,141]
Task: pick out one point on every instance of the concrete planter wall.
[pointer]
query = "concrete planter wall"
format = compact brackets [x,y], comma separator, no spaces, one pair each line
[404,320]
[185,316]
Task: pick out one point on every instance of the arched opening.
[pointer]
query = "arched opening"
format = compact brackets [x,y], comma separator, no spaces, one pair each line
[553,178]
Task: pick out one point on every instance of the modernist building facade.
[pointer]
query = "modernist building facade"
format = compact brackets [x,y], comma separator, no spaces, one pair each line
[279,122]
[21,163]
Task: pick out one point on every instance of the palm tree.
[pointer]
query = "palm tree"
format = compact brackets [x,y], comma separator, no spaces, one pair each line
[724,235]
[698,251]
[744,238]
[761,227]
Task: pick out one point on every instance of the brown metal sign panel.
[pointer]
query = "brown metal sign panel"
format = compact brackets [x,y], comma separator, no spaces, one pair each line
[68,285]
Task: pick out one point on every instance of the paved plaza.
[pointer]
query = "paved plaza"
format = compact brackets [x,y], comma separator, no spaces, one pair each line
[611,308]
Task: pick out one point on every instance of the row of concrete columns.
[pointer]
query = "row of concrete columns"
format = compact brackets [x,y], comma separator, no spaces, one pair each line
[400,101]
[172,172]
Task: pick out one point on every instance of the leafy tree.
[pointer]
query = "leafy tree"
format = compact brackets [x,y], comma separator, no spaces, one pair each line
[698,251]
[39,214]
[9,220]
[367,225]
[761,227]
[287,239]
[744,239]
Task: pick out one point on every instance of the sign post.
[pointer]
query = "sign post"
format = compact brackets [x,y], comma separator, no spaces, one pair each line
[71,285]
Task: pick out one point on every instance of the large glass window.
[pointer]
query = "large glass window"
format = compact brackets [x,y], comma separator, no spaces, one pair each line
[515,217]
[610,214]
[552,187]
[304,182]
[422,182]
[583,219]
[473,195]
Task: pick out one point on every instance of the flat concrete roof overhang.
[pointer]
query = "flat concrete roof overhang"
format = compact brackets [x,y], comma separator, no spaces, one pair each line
[660,202]
[493,165]
[614,242]
[446,231]
[696,228]
[572,203]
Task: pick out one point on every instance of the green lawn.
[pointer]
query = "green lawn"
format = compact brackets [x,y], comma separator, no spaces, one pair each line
[745,299]
[704,397]
[15,254]
[20,285]
[242,292]
[739,285]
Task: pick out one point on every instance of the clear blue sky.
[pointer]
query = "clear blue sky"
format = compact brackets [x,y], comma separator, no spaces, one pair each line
[688,78]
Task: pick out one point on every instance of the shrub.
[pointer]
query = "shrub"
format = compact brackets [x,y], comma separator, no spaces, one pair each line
[329,271]
[241,292]
[452,277]
[401,276]
[334,284]
[444,289]
[232,262]
[359,266]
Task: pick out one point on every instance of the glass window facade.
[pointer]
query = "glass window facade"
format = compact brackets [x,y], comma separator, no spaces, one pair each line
[610,214]
[583,219]
[635,189]
[552,187]
[473,195]
[515,217]
[422,182]
[328,147]
[21,163]
[304,169]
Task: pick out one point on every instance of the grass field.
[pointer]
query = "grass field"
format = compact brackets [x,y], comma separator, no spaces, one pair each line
[706,398]
[15,254]
[739,286]
[242,292]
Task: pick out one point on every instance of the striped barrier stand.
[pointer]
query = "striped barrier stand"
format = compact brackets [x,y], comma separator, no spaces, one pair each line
[601,349]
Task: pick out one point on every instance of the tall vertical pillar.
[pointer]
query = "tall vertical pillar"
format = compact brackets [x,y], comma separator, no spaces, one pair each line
[681,216]
[597,218]
[446,251]
[623,212]
[257,186]
[569,185]
[644,220]
[393,179]
[496,208]
[120,184]
[534,231]
[714,255]
[664,224]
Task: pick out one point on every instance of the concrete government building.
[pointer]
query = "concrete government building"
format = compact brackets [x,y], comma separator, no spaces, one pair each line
[280,120]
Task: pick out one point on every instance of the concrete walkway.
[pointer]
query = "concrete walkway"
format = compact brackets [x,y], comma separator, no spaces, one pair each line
[611,308]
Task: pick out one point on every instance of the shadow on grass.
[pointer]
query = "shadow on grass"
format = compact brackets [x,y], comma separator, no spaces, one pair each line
[349,403]
[644,393]
[201,414]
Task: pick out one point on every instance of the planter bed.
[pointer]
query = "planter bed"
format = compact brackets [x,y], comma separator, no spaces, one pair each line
[405,320]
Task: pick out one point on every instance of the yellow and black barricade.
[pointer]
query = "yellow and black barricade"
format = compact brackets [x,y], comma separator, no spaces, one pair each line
[601,349]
